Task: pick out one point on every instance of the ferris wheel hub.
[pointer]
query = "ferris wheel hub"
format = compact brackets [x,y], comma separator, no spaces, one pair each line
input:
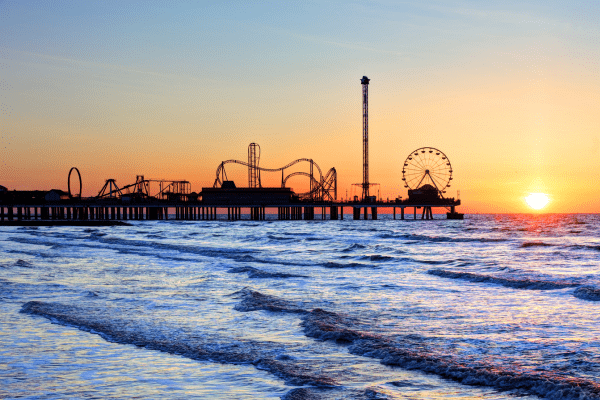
[427,167]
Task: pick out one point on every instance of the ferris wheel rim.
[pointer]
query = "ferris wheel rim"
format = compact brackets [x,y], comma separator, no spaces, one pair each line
[427,165]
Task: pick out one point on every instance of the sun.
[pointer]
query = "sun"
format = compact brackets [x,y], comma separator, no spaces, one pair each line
[537,201]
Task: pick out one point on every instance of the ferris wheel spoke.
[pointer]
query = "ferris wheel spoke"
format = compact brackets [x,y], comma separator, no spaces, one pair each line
[441,175]
[440,184]
[416,180]
[419,162]
[413,174]
[424,163]
[440,162]
[427,166]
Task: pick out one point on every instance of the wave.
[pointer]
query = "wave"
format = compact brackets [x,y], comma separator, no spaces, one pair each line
[38,242]
[254,301]
[309,393]
[586,247]
[377,257]
[193,345]
[330,326]
[535,244]
[441,239]
[531,284]
[280,238]
[19,263]
[587,293]
[334,265]
[429,262]
[23,264]
[353,247]
[257,273]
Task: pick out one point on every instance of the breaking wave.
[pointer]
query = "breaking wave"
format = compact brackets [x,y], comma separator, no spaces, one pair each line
[263,355]
[531,284]
[253,301]
[330,326]
[587,293]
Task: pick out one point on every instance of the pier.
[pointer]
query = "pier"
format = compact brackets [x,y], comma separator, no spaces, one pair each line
[426,173]
[93,210]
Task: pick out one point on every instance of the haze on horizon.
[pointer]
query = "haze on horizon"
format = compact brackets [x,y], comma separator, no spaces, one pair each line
[510,92]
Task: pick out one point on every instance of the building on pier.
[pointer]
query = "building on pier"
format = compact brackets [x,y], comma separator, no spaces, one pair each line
[228,194]
[56,195]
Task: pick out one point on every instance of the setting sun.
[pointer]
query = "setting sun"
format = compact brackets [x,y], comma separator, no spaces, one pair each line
[537,201]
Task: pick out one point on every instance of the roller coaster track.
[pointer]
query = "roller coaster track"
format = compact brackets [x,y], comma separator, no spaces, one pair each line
[141,186]
[321,189]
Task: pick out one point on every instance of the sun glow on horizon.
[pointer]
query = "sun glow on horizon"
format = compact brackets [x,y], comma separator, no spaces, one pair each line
[537,201]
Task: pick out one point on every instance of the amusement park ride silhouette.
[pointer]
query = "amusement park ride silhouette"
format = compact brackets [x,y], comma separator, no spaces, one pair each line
[426,173]
[322,188]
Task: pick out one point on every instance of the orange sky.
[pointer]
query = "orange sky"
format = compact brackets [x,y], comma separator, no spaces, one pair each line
[510,94]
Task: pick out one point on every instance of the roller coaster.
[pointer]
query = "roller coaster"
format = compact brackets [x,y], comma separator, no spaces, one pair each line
[142,189]
[323,189]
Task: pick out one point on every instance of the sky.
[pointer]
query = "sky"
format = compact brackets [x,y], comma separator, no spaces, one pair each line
[509,91]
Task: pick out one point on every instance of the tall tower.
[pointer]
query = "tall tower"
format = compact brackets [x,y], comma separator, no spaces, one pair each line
[365,91]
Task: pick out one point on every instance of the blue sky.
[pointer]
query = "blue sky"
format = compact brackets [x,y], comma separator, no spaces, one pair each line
[189,84]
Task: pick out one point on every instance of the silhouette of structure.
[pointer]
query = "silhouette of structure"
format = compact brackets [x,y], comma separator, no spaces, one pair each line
[321,187]
[427,172]
[141,190]
[253,161]
[365,91]
[365,185]
[69,183]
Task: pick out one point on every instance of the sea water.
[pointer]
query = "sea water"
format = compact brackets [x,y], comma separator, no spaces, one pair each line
[492,307]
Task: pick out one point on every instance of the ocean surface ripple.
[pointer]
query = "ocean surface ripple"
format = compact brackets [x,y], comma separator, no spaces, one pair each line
[492,307]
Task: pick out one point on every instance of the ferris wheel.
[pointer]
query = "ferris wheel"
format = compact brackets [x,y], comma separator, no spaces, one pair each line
[427,166]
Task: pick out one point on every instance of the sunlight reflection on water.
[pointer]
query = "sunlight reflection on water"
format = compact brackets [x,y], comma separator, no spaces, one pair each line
[177,283]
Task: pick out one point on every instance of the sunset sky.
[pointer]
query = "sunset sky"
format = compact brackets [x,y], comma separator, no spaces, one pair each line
[510,92]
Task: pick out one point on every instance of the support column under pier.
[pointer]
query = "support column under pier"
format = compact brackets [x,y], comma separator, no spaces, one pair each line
[374,213]
[333,213]
[356,211]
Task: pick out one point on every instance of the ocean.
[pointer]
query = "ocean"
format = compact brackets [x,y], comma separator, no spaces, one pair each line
[492,307]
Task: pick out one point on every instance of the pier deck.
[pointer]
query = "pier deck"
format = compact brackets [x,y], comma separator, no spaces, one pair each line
[116,210]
